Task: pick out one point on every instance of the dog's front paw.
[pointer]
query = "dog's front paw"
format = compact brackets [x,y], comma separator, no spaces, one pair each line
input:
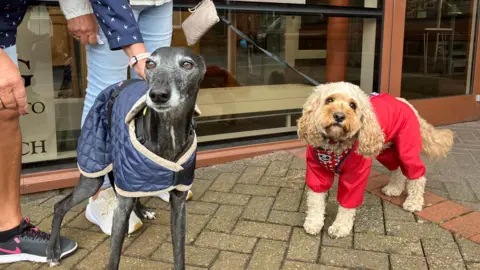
[392,190]
[148,214]
[312,227]
[413,204]
[53,263]
[53,255]
[338,230]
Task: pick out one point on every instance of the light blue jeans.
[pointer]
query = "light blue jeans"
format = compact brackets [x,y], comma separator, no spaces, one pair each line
[106,67]
[12,53]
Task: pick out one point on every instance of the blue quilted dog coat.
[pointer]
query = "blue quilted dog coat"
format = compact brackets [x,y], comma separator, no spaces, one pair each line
[105,145]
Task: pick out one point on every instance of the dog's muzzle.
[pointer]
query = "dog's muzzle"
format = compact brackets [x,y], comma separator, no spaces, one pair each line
[339,117]
[159,96]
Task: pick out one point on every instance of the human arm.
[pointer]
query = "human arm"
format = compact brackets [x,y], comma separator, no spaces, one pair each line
[81,22]
[117,21]
[122,32]
[12,90]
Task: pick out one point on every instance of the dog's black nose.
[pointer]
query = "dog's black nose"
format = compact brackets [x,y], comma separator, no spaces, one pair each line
[159,96]
[339,117]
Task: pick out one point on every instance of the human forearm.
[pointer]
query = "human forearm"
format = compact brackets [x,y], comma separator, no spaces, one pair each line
[12,90]
[116,19]
[75,8]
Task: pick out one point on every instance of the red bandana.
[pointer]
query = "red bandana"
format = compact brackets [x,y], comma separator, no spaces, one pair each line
[328,159]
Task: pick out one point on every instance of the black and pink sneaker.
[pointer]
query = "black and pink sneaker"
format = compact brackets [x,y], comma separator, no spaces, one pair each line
[31,245]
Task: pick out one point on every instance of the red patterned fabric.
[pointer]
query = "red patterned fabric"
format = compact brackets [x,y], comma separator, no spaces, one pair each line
[400,126]
[328,159]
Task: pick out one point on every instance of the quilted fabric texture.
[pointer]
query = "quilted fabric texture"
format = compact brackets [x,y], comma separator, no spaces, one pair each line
[98,147]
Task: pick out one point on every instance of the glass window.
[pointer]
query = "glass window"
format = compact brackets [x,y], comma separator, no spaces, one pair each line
[49,63]
[439,44]
[244,94]
[350,3]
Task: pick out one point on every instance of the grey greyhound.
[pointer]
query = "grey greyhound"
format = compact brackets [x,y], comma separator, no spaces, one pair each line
[167,106]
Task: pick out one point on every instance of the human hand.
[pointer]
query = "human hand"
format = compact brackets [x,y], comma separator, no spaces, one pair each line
[84,28]
[136,49]
[139,68]
[12,90]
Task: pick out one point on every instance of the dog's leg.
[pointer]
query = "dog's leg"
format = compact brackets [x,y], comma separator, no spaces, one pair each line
[396,185]
[143,211]
[315,212]
[85,188]
[343,223]
[119,229]
[178,227]
[415,190]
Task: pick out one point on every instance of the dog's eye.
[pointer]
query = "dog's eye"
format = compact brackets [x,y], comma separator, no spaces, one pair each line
[187,65]
[353,105]
[150,64]
[329,100]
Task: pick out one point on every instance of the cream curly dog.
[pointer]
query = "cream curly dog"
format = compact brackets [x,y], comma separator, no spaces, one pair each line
[344,128]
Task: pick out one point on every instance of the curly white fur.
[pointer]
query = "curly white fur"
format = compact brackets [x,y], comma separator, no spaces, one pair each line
[415,190]
[364,127]
[343,224]
[315,212]
[396,185]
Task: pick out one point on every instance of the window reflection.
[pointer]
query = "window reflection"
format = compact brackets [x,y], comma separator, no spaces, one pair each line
[244,94]
[438,48]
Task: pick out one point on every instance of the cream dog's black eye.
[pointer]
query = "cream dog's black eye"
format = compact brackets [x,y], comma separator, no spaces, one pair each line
[187,65]
[150,64]
[353,105]
[329,100]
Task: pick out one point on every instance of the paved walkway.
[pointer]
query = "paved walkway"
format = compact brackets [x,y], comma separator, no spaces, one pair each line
[457,178]
[249,214]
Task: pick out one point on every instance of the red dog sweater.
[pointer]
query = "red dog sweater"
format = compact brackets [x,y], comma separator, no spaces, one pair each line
[400,127]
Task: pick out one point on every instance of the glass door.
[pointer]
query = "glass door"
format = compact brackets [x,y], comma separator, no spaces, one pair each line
[436,42]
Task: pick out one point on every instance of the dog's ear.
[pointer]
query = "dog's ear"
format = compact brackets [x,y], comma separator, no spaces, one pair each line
[306,126]
[204,66]
[370,136]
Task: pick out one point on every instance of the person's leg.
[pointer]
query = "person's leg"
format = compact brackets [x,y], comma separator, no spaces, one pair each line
[12,53]
[156,26]
[10,162]
[104,68]
[10,165]
[19,240]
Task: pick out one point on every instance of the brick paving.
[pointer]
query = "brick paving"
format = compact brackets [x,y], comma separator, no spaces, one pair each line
[457,177]
[248,214]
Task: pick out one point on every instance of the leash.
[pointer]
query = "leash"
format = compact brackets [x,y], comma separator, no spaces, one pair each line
[273,56]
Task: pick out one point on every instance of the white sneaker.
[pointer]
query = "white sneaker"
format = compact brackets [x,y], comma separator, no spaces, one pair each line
[165,196]
[100,212]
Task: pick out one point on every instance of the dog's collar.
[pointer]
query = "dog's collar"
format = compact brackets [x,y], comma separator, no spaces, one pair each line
[330,140]
[333,142]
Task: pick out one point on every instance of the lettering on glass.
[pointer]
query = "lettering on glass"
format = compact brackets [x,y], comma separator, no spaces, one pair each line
[33,148]
[37,107]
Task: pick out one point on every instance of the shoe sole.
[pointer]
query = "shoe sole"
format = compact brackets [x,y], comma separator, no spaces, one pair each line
[95,221]
[11,258]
